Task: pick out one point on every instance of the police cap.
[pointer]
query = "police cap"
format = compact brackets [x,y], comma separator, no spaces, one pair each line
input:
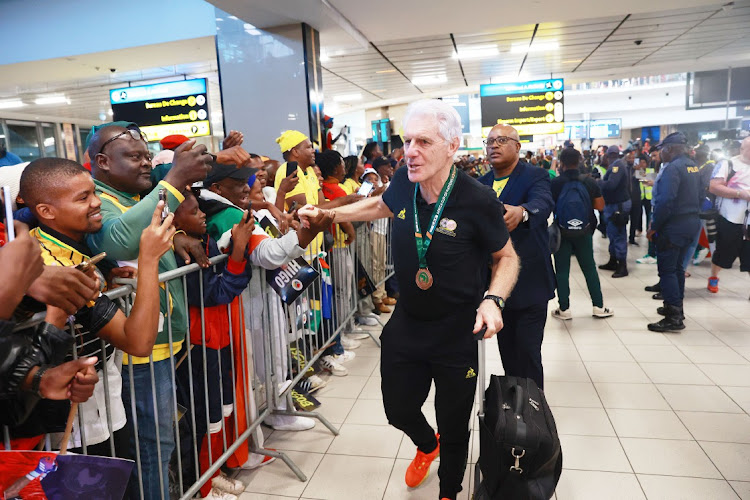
[673,138]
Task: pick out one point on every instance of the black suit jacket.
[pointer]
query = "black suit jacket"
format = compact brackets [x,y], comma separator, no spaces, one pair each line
[529,186]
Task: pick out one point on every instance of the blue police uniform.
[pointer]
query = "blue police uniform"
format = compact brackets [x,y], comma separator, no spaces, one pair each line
[615,188]
[676,204]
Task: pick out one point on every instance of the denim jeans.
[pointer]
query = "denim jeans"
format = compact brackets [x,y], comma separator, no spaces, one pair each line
[148,419]
[618,235]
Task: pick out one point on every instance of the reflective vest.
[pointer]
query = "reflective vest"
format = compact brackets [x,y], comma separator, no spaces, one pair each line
[646,191]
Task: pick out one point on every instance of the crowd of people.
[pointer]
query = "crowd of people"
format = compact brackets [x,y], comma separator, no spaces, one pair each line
[494,262]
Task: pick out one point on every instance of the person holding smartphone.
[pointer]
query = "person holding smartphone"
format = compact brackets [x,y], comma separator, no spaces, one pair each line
[61,195]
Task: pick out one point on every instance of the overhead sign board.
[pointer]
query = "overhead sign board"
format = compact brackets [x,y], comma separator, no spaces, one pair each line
[164,109]
[532,108]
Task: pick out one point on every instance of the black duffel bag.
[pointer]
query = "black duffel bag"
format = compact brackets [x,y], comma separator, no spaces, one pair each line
[520,454]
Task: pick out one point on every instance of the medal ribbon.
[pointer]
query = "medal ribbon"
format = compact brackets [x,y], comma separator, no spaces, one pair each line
[423,242]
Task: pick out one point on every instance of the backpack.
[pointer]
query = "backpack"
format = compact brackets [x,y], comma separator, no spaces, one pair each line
[573,209]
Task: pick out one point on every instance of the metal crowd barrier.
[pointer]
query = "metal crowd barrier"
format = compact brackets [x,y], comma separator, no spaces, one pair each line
[280,346]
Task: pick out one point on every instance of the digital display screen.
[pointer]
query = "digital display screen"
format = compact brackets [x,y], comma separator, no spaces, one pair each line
[592,129]
[532,108]
[164,109]
[381,130]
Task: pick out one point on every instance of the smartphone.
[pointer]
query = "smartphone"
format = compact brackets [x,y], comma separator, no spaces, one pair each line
[291,168]
[165,208]
[88,264]
[249,212]
[636,162]
[366,188]
[292,207]
[8,214]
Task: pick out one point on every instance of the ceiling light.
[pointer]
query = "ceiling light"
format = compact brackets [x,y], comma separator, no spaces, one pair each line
[476,52]
[233,18]
[324,57]
[523,47]
[348,97]
[378,90]
[571,61]
[429,79]
[51,99]
[13,103]
[385,71]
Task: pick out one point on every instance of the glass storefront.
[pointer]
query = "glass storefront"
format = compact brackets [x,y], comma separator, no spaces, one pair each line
[23,140]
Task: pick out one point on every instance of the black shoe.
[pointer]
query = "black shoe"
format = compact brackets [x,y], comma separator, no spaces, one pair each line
[653,288]
[622,269]
[663,311]
[376,311]
[672,321]
[633,242]
[657,296]
[611,265]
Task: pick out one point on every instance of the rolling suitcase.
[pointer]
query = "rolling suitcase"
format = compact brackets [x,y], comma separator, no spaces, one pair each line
[520,457]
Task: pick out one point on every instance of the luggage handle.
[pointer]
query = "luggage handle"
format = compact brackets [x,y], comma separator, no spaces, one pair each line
[479,337]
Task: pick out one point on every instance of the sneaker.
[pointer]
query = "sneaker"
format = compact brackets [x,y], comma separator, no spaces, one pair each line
[249,465]
[366,320]
[227,484]
[419,468]
[311,384]
[330,364]
[562,315]
[349,343]
[217,494]
[646,259]
[602,312]
[700,256]
[713,284]
[344,358]
[357,335]
[290,423]
[316,383]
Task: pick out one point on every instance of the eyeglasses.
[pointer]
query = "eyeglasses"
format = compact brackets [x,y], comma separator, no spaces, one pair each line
[133,133]
[501,140]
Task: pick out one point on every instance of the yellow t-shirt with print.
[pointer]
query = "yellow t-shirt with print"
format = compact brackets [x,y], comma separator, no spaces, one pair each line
[309,186]
[499,184]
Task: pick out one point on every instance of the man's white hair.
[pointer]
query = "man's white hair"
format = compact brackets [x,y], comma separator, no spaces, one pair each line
[446,116]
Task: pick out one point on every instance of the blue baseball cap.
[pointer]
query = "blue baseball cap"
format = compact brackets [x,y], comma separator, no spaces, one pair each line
[673,138]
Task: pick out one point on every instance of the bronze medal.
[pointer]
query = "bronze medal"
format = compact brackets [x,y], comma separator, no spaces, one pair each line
[424,279]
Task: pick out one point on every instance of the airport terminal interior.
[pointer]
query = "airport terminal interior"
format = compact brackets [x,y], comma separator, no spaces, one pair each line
[641,411]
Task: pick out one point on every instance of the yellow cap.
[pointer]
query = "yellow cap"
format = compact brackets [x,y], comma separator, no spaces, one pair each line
[290,139]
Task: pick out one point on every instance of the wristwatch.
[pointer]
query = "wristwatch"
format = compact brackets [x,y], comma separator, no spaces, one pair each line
[499,301]
[525,215]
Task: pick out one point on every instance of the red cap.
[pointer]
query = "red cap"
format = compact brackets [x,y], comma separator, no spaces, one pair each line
[172,141]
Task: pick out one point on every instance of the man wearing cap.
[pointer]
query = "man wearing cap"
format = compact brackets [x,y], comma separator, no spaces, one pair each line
[636,217]
[446,227]
[298,151]
[731,185]
[674,223]
[121,167]
[615,188]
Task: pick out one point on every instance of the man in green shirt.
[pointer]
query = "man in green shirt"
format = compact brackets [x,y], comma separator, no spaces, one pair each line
[121,167]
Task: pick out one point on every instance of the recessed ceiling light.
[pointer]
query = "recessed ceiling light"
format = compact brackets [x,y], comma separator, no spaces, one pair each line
[429,79]
[523,47]
[379,90]
[51,99]
[386,71]
[476,52]
[324,57]
[13,103]
[571,61]
[348,97]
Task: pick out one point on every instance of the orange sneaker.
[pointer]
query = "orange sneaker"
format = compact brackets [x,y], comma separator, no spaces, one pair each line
[419,468]
[713,284]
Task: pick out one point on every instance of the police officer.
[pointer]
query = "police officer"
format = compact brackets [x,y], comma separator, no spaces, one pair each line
[615,188]
[674,223]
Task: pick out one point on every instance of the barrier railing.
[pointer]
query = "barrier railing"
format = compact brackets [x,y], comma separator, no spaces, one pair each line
[184,417]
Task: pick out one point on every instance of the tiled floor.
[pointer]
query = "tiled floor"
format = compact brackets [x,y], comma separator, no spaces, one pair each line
[640,414]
